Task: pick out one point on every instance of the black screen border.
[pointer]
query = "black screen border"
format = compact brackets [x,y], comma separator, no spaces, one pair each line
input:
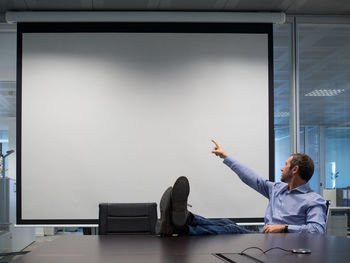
[137,27]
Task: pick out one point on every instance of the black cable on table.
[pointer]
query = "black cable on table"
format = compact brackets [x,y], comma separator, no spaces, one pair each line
[287,250]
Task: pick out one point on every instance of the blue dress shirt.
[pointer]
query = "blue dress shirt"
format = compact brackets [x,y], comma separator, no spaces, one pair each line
[303,210]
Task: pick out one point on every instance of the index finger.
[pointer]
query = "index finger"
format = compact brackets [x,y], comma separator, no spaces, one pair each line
[217,145]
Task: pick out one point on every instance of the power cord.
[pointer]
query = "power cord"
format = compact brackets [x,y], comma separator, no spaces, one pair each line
[287,250]
[294,251]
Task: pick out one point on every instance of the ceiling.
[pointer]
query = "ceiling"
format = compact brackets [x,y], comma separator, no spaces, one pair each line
[324,51]
[314,7]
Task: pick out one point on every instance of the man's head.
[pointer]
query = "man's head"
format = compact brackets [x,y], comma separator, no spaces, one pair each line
[298,164]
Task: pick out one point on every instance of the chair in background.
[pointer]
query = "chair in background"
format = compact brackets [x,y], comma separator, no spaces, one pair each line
[127,218]
[328,204]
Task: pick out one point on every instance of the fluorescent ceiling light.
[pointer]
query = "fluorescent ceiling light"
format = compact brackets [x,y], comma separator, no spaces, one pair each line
[325,92]
[281,114]
[159,16]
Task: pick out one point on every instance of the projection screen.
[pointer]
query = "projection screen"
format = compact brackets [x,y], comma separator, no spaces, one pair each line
[116,112]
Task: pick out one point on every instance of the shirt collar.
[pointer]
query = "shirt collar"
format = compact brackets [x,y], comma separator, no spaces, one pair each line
[305,188]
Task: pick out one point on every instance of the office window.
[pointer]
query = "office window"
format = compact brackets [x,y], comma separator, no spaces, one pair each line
[4,142]
[309,144]
[337,165]
[7,74]
[282,94]
[324,97]
[7,113]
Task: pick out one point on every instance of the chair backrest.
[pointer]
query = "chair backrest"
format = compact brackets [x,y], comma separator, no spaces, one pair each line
[328,204]
[127,218]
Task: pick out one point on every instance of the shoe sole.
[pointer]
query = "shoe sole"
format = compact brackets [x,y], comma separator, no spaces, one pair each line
[163,225]
[181,190]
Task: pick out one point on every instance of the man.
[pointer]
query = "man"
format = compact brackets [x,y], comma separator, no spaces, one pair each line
[293,207]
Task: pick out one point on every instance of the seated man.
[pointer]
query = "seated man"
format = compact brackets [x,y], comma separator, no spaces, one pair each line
[293,207]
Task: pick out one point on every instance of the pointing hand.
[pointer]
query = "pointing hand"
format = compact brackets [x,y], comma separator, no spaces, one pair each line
[218,151]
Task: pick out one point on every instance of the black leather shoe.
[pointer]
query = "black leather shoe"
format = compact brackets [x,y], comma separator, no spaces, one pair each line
[163,225]
[180,192]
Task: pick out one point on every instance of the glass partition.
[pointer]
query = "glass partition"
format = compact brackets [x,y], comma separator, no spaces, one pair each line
[324,77]
[282,53]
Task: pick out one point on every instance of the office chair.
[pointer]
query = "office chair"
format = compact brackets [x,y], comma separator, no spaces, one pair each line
[328,204]
[127,218]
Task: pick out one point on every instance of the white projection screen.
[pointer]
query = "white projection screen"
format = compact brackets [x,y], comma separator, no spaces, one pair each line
[115,112]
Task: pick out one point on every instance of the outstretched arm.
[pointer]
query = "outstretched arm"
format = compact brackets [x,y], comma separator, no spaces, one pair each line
[247,175]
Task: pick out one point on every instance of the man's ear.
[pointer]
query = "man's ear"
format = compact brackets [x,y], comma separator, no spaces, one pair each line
[295,169]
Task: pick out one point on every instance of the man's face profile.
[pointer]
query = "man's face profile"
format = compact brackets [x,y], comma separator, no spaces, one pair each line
[286,171]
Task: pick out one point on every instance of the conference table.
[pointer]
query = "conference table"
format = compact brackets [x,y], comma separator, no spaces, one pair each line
[188,249]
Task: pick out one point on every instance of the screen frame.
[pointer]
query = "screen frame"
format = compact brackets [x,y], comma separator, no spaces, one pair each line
[137,27]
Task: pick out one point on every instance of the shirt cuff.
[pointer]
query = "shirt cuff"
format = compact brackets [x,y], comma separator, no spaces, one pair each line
[293,228]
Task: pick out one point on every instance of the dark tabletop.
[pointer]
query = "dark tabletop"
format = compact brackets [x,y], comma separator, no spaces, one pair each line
[192,249]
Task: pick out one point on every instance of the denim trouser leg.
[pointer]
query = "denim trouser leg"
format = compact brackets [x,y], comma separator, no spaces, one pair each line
[204,226]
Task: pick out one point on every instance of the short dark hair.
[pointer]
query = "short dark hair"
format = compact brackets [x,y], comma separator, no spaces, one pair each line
[305,163]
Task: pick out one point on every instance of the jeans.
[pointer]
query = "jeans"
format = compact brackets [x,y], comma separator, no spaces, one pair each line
[204,226]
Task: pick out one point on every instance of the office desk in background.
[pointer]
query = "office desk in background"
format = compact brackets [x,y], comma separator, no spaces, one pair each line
[339,222]
[193,249]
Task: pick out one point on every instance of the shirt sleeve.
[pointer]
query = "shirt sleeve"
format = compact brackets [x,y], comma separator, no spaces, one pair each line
[315,221]
[250,177]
